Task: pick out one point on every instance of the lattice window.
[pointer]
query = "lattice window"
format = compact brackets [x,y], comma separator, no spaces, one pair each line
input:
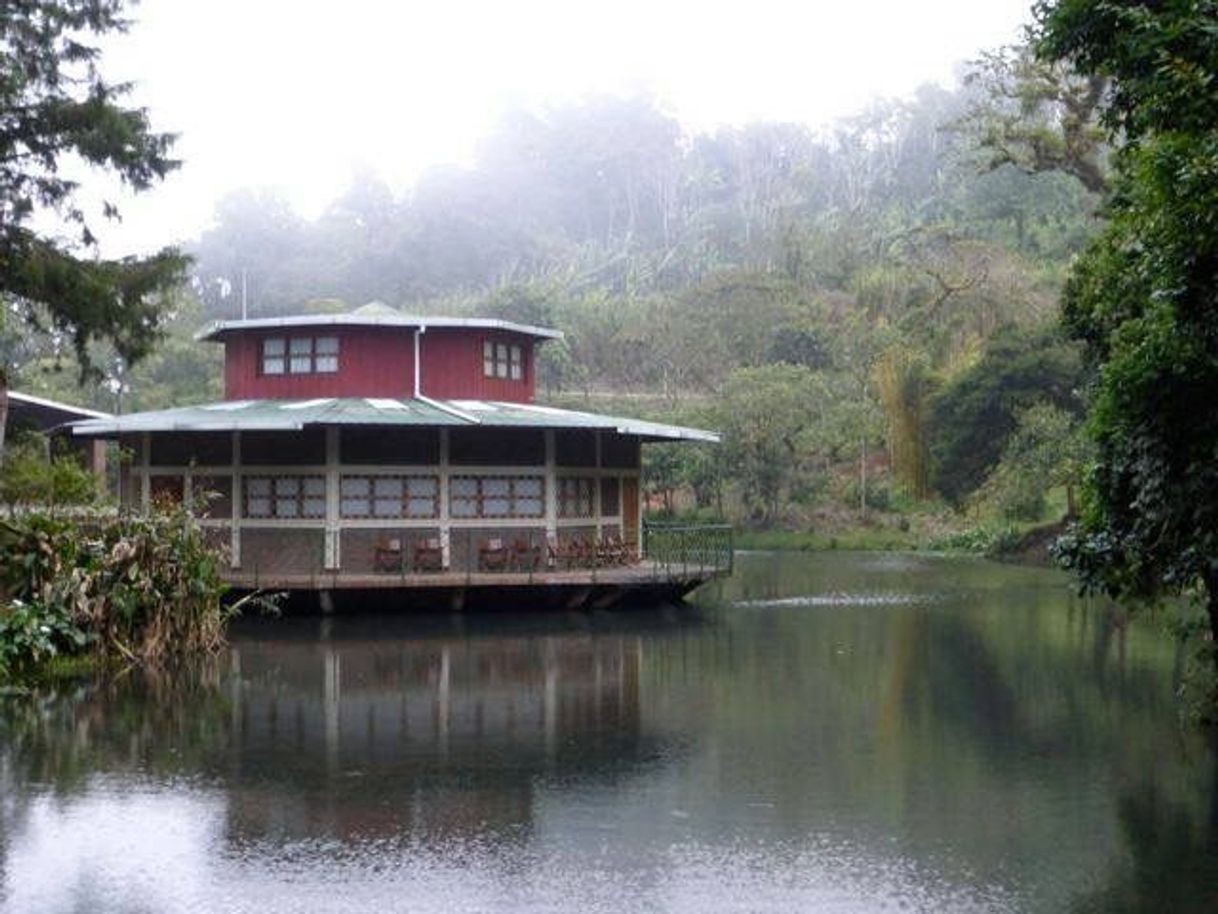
[389,497]
[285,497]
[575,496]
[611,497]
[496,496]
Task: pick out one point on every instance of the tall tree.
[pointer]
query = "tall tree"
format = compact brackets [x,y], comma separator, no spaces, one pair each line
[55,105]
[1144,297]
[1038,115]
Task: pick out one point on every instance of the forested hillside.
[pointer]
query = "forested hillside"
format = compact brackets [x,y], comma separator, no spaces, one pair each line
[868,312]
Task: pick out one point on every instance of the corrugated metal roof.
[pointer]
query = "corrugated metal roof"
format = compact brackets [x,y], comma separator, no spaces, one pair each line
[259,415]
[374,314]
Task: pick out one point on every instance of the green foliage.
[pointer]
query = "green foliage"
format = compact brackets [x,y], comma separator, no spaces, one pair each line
[31,475]
[133,587]
[32,634]
[1142,299]
[973,417]
[1046,450]
[55,107]
[905,385]
[1037,115]
[766,414]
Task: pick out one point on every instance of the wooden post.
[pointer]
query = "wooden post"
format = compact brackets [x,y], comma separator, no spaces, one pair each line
[597,507]
[145,479]
[445,523]
[551,483]
[237,501]
[333,534]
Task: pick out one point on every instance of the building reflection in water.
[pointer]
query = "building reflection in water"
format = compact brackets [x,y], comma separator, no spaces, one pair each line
[339,730]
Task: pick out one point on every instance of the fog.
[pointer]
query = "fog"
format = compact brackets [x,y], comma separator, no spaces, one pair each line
[300,95]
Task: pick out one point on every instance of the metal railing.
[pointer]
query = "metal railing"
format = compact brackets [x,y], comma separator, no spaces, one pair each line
[686,548]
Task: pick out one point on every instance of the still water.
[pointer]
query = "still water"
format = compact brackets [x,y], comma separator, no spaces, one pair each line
[821,733]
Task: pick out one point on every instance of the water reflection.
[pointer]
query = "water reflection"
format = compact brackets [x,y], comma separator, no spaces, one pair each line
[361,732]
[831,733]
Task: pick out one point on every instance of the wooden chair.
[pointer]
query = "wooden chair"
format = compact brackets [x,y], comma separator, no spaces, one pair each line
[492,555]
[387,555]
[611,550]
[428,555]
[560,554]
[584,552]
[526,555]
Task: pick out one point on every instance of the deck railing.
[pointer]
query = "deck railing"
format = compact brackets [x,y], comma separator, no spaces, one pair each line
[668,553]
[685,548]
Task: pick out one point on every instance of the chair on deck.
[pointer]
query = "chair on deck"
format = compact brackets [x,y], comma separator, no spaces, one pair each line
[492,555]
[583,551]
[526,555]
[387,555]
[561,555]
[428,555]
[611,550]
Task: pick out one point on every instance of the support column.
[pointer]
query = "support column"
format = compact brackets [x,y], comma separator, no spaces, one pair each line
[237,500]
[551,486]
[333,538]
[445,526]
[97,458]
[597,507]
[145,464]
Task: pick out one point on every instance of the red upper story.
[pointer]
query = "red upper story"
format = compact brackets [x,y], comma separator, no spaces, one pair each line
[371,353]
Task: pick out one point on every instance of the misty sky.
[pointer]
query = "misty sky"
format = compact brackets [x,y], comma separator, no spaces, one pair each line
[299,94]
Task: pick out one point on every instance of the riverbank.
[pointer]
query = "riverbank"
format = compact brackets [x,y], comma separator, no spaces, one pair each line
[1023,544]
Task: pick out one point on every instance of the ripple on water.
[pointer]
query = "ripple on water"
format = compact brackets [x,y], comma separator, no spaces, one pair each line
[841,599]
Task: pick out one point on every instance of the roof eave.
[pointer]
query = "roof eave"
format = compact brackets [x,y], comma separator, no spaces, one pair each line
[218,329]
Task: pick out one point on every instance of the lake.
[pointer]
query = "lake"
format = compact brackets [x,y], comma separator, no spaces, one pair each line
[822,732]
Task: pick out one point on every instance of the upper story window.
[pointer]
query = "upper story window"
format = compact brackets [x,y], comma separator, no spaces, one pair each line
[501,360]
[300,355]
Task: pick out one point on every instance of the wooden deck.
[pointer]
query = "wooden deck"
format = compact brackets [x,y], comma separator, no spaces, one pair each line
[678,559]
[639,574]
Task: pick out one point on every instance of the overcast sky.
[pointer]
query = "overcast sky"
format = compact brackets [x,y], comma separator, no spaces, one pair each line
[298,94]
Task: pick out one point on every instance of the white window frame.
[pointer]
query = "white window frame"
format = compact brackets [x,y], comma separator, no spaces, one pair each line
[274,362]
[577,496]
[299,355]
[305,492]
[486,492]
[502,361]
[363,505]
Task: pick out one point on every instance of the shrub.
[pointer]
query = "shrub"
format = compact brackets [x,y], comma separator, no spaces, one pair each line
[140,587]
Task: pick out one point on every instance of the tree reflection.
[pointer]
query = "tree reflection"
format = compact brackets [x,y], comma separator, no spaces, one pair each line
[1170,861]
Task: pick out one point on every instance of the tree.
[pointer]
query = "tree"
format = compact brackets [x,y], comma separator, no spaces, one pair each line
[1046,450]
[1144,298]
[55,105]
[972,418]
[1038,115]
[766,414]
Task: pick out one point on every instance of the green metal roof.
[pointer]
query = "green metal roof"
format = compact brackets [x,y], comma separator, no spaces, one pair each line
[289,415]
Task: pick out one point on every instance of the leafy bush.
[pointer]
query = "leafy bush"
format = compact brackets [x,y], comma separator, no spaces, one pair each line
[975,539]
[137,587]
[31,634]
[29,476]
